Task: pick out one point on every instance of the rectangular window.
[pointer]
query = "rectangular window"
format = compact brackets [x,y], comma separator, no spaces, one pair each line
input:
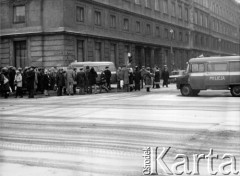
[126,24]
[137,1]
[148,29]
[186,37]
[235,66]
[20,51]
[147,3]
[113,52]
[173,9]
[80,51]
[157,5]
[195,17]
[112,21]
[98,18]
[80,14]
[200,19]
[138,26]
[97,51]
[186,14]
[197,68]
[180,12]
[180,36]
[165,6]
[217,67]
[157,31]
[166,33]
[19,14]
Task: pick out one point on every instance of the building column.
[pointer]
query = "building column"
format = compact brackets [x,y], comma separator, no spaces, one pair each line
[152,62]
[143,56]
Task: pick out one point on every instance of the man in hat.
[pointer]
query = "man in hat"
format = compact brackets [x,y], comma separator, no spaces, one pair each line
[137,78]
[165,76]
[108,75]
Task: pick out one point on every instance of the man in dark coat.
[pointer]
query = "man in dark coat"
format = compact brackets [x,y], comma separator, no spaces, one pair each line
[12,73]
[30,82]
[88,88]
[60,81]
[137,78]
[165,76]
[157,77]
[92,77]
[81,81]
[4,82]
[108,75]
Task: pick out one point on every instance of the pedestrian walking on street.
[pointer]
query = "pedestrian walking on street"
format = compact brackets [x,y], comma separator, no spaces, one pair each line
[103,82]
[157,77]
[148,79]
[18,83]
[165,76]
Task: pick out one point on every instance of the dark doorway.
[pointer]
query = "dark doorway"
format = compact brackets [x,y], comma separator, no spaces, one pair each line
[20,51]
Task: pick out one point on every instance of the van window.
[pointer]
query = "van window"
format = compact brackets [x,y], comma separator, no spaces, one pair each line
[234,66]
[217,67]
[198,68]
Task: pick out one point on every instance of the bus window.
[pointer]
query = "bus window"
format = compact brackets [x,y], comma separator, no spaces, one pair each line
[234,66]
[197,68]
[217,67]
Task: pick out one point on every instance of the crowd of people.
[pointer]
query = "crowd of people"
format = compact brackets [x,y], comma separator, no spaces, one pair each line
[33,80]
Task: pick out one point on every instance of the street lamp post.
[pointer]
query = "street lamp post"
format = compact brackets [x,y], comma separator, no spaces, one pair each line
[172,54]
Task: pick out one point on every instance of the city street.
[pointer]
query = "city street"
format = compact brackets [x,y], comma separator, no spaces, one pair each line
[105,134]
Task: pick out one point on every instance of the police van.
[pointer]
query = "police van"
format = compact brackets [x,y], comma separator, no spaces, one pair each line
[216,73]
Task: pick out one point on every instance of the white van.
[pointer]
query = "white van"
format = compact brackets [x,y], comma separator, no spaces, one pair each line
[216,73]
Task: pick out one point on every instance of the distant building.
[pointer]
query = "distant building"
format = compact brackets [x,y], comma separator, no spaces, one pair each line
[48,33]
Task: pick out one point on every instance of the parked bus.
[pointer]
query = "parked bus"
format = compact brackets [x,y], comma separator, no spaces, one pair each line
[216,73]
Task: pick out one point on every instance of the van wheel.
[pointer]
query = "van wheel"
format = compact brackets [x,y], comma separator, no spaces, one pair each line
[235,91]
[195,92]
[186,90]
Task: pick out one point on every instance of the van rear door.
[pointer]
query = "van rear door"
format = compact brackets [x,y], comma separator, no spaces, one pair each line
[217,75]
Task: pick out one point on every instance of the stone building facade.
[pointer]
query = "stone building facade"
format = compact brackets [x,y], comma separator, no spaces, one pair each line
[48,33]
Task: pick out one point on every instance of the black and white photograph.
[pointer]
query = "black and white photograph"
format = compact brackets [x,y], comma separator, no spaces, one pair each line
[119,87]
